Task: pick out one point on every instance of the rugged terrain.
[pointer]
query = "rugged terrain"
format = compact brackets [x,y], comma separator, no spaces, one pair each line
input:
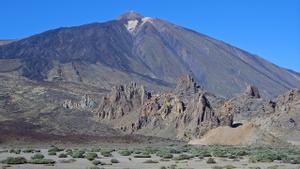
[138,79]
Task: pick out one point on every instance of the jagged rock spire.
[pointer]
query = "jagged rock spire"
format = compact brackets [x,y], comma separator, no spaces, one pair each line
[252,91]
[186,84]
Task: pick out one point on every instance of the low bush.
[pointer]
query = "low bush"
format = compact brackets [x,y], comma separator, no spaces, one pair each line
[41,161]
[91,156]
[211,161]
[183,157]
[52,153]
[125,152]
[28,151]
[150,161]
[107,153]
[142,156]
[67,160]
[14,160]
[62,155]
[55,149]
[78,154]
[18,151]
[97,162]
[37,156]
[114,160]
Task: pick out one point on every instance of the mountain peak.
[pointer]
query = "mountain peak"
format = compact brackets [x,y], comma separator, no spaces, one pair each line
[131,15]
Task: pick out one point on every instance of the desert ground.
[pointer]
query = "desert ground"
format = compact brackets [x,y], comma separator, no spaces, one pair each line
[151,157]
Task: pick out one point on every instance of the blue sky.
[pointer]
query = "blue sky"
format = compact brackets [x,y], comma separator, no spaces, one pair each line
[268,28]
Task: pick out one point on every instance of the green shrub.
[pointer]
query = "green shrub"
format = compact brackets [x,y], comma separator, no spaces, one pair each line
[95,149]
[41,161]
[93,167]
[62,155]
[183,157]
[15,160]
[55,149]
[67,160]
[211,161]
[125,152]
[91,156]
[78,154]
[37,156]
[273,167]
[107,153]
[18,151]
[142,156]
[114,160]
[28,151]
[97,162]
[150,161]
[52,153]
[229,166]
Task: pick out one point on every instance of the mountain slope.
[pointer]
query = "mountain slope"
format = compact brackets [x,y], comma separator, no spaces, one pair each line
[147,50]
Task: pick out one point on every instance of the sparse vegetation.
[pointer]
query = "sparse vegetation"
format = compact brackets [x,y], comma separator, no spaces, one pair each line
[37,156]
[150,161]
[107,153]
[15,160]
[91,156]
[211,161]
[62,155]
[78,154]
[114,160]
[125,152]
[41,161]
[96,162]
[142,156]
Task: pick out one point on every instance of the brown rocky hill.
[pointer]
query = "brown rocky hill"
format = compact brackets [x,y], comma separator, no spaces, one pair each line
[149,51]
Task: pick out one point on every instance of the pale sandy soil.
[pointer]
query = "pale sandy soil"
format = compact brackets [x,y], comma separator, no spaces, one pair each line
[137,163]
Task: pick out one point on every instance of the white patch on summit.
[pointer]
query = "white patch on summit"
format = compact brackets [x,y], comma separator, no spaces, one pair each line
[131,25]
[147,19]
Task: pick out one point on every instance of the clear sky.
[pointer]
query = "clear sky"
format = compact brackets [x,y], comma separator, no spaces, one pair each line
[268,28]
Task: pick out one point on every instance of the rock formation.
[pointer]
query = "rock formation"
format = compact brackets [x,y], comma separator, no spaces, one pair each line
[187,111]
[122,100]
[86,102]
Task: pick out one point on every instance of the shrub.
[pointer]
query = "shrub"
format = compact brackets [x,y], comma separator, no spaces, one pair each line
[96,162]
[183,157]
[14,160]
[52,153]
[91,156]
[142,156]
[55,149]
[67,160]
[37,156]
[78,154]
[106,153]
[150,161]
[114,160]
[125,152]
[229,166]
[28,151]
[93,167]
[211,161]
[41,161]
[62,155]
[95,149]
[18,151]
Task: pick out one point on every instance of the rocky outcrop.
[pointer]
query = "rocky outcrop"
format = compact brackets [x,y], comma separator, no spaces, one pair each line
[189,117]
[252,91]
[122,100]
[186,85]
[85,103]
